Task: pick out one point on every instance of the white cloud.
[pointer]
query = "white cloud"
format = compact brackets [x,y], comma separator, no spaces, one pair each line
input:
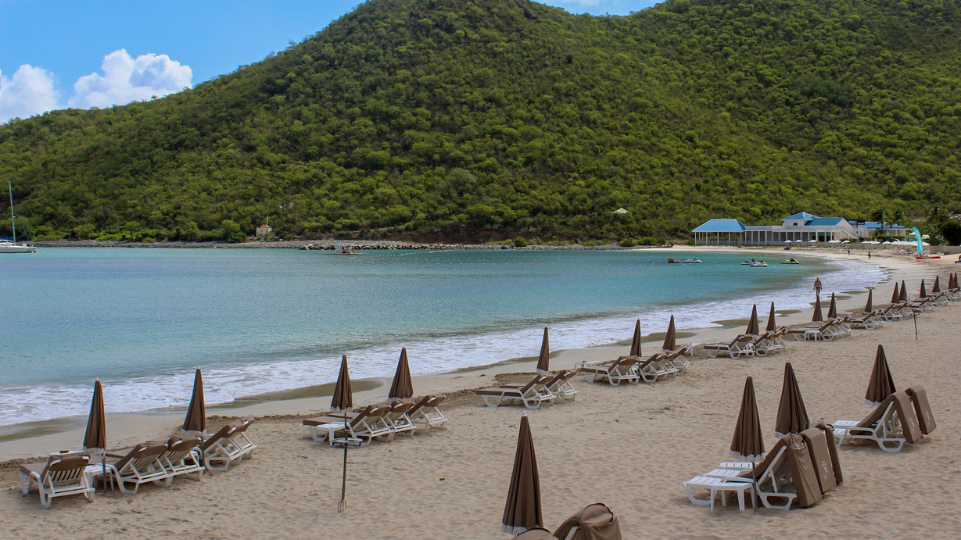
[127,79]
[30,91]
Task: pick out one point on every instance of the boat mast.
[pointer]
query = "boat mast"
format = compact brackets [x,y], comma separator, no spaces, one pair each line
[13,219]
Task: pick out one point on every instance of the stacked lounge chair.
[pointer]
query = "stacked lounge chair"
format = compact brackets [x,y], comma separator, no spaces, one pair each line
[531,395]
[790,472]
[381,421]
[614,372]
[559,385]
[890,424]
[737,347]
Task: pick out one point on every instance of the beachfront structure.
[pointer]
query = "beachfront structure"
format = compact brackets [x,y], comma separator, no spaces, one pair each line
[264,231]
[798,228]
[866,230]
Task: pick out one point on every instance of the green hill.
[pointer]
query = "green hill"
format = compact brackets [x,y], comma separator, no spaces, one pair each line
[460,118]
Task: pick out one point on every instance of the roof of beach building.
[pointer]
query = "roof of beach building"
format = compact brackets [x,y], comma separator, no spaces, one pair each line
[800,216]
[825,221]
[721,226]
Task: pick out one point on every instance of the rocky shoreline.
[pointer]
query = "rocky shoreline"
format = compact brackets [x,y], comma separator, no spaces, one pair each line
[364,245]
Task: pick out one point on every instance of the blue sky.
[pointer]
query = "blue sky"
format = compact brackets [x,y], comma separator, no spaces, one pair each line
[59,53]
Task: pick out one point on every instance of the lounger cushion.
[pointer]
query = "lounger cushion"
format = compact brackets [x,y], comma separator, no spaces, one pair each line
[597,522]
[817,443]
[802,470]
[923,409]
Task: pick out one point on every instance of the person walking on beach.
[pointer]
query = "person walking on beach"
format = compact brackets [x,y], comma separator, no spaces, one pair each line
[817,287]
[869,254]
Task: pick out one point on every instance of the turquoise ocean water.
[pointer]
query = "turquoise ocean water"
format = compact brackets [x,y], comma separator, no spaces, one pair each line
[266,320]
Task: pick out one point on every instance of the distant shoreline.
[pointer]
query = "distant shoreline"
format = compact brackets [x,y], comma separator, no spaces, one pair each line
[319,245]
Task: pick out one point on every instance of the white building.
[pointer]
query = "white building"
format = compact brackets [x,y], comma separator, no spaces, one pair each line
[799,228]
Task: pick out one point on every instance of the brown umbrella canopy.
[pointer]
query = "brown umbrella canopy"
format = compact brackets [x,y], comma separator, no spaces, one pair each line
[881,384]
[896,297]
[196,419]
[818,314]
[904,293]
[792,416]
[771,323]
[937,285]
[343,398]
[922,293]
[523,508]
[636,340]
[748,443]
[96,435]
[869,305]
[544,360]
[402,387]
[753,328]
[833,308]
[670,338]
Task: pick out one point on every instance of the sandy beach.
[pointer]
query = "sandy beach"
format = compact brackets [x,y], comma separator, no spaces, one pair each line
[629,447]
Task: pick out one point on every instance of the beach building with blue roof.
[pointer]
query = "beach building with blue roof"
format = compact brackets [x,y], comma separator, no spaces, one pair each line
[798,228]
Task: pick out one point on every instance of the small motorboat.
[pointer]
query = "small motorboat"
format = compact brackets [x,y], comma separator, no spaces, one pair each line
[790,261]
[758,264]
[752,262]
[672,260]
[694,260]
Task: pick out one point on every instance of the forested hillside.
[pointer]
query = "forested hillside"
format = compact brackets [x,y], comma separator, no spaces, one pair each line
[462,117]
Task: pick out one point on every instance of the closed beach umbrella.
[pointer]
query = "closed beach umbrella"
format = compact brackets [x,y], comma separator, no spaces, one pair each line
[753,328]
[937,285]
[904,292]
[922,293]
[544,360]
[896,297]
[771,324]
[748,442]
[818,315]
[96,435]
[402,387]
[881,384]
[670,338]
[636,340]
[833,308]
[523,508]
[343,398]
[869,305]
[196,419]
[792,416]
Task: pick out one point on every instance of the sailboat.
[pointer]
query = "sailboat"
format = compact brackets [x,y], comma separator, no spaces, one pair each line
[11,246]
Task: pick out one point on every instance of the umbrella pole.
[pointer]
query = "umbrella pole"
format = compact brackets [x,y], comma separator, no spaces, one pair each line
[754,486]
[915,326]
[103,462]
[343,483]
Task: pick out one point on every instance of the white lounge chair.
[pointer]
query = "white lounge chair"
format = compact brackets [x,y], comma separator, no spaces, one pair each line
[531,394]
[737,347]
[771,481]
[890,425]
[182,457]
[398,420]
[239,436]
[219,451]
[368,424]
[138,466]
[425,414]
[61,475]
[614,372]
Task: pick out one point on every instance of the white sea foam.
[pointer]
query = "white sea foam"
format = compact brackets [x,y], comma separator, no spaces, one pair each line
[443,354]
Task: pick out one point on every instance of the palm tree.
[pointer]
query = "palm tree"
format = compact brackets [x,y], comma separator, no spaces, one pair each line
[938,217]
